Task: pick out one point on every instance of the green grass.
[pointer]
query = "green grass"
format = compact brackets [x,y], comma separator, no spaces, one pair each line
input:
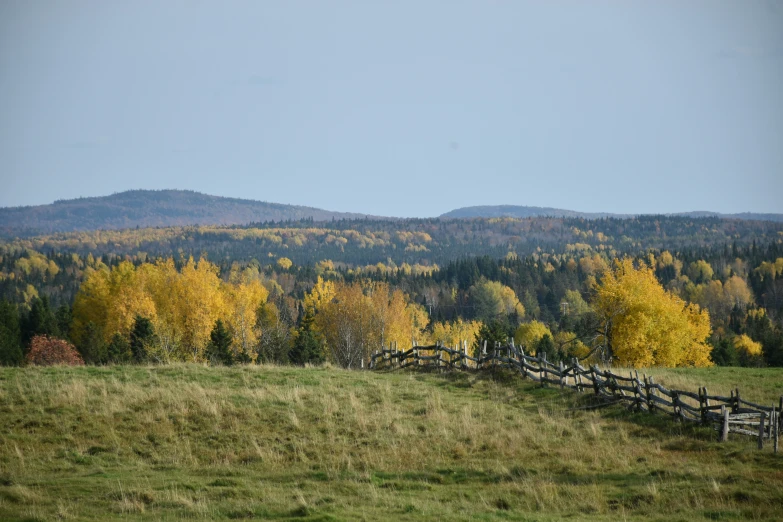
[198,443]
[760,385]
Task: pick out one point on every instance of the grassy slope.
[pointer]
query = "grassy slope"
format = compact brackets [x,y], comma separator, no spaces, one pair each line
[220,443]
[760,385]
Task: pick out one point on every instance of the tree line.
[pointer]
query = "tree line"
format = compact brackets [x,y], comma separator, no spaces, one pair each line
[548,298]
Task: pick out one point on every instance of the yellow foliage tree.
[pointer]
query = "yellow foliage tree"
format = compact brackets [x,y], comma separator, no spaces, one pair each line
[747,345]
[111,300]
[243,297]
[284,263]
[644,325]
[358,318]
[183,306]
[721,298]
[569,345]
[453,333]
[529,334]
[492,299]
[321,293]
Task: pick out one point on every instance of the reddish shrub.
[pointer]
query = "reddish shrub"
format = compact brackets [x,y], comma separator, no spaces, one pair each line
[46,351]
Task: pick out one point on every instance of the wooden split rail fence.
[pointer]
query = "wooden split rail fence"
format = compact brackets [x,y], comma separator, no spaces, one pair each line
[725,414]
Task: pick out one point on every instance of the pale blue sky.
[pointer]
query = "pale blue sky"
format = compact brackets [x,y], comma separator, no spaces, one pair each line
[406,108]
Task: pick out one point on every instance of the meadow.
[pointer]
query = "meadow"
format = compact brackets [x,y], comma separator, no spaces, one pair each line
[266,442]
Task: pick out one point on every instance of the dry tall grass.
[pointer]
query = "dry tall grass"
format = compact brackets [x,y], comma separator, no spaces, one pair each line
[189,441]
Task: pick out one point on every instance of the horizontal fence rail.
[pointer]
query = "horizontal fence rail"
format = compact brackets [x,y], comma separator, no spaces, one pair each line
[724,414]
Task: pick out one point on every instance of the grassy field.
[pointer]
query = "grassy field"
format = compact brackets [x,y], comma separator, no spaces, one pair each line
[760,385]
[200,443]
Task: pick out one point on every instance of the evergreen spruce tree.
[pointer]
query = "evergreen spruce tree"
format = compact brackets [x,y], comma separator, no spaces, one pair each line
[63,318]
[92,349]
[306,347]
[219,347]
[492,332]
[40,320]
[142,336]
[119,350]
[724,353]
[546,345]
[11,353]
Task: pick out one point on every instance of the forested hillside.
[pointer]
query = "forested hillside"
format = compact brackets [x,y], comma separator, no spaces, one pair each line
[292,292]
[413,241]
[149,208]
[518,211]
[176,208]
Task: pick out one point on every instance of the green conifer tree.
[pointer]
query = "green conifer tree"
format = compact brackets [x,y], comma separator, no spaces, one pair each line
[119,350]
[219,347]
[142,336]
[11,353]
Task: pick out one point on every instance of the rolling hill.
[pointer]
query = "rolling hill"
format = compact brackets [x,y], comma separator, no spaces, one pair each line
[519,211]
[151,208]
[167,208]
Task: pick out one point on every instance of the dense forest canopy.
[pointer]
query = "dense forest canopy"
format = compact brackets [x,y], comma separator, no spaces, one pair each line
[535,279]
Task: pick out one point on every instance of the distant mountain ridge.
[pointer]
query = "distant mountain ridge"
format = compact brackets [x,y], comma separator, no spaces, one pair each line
[151,208]
[164,208]
[518,211]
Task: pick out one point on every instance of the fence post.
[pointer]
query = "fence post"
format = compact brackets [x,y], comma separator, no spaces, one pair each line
[724,436]
[648,393]
[653,390]
[676,404]
[542,366]
[637,391]
[561,375]
[761,429]
[775,429]
[522,362]
[706,411]
[595,380]
[778,423]
[736,401]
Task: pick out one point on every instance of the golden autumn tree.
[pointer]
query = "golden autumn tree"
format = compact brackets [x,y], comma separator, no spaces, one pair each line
[644,325]
[748,346]
[321,293]
[492,299]
[162,282]
[91,304]
[453,333]
[202,304]
[529,334]
[111,300]
[357,318]
[344,321]
[182,306]
[243,295]
[720,298]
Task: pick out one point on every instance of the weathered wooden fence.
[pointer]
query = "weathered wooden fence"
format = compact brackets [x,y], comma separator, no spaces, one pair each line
[725,414]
